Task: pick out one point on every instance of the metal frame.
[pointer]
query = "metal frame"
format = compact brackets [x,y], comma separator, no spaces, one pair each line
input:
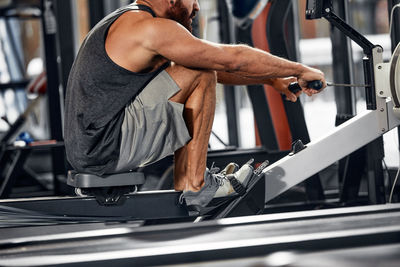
[319,154]
[54,89]
[352,168]
[342,58]
[395,36]
[63,10]
[349,137]
[128,245]
[229,90]
[241,156]
[367,47]
[280,40]
[96,11]
[13,159]
[138,206]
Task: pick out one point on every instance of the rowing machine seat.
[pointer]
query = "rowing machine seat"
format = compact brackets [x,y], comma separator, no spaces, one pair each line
[86,180]
[108,189]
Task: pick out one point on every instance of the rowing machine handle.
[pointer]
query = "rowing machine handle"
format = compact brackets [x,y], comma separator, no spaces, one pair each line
[295,87]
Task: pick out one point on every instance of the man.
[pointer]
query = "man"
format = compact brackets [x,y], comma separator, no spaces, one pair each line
[143,87]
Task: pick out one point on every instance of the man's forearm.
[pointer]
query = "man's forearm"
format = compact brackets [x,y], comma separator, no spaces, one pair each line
[255,64]
[235,79]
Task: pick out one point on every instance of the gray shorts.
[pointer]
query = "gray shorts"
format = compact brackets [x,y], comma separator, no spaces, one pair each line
[153,126]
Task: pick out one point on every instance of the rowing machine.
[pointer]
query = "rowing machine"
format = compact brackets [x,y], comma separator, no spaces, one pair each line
[383,104]
[278,177]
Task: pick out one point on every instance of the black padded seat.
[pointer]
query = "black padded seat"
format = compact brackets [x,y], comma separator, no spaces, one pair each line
[85,180]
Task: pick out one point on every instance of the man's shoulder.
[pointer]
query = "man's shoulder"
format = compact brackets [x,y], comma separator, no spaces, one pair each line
[130,20]
[152,31]
[156,26]
[143,30]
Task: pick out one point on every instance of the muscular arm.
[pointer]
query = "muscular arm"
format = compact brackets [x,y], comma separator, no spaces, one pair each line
[279,84]
[234,79]
[171,40]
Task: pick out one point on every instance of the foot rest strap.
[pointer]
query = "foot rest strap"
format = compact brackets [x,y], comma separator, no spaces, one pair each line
[237,185]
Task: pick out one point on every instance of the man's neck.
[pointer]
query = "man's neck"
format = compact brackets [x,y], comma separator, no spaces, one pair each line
[147,3]
[157,6]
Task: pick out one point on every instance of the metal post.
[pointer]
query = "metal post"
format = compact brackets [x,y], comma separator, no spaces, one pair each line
[342,65]
[367,47]
[66,39]
[55,101]
[350,168]
[229,90]
[96,11]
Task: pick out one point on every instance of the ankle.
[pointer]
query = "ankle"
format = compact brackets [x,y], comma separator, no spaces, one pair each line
[184,184]
[194,187]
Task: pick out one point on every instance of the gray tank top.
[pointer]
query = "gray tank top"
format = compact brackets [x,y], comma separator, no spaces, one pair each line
[97,92]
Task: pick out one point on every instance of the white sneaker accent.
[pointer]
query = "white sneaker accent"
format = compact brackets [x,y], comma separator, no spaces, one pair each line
[242,175]
[225,189]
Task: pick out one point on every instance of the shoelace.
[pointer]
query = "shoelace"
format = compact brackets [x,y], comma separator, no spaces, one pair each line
[216,176]
[213,169]
[219,178]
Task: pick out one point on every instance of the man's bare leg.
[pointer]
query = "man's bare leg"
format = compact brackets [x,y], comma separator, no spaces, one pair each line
[198,96]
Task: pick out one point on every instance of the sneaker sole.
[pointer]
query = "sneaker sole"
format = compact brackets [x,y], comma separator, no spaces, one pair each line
[214,203]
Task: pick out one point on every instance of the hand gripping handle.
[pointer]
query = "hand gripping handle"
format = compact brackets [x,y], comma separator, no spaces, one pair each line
[295,87]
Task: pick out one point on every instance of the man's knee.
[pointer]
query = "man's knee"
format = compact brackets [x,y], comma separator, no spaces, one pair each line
[209,76]
[201,77]
[190,80]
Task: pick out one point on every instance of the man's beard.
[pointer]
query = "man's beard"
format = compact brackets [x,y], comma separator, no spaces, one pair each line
[180,14]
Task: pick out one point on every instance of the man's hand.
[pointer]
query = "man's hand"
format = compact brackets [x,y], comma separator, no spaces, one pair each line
[310,74]
[282,86]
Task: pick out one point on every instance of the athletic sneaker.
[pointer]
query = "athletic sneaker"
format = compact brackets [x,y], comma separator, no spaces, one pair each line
[217,187]
[230,169]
